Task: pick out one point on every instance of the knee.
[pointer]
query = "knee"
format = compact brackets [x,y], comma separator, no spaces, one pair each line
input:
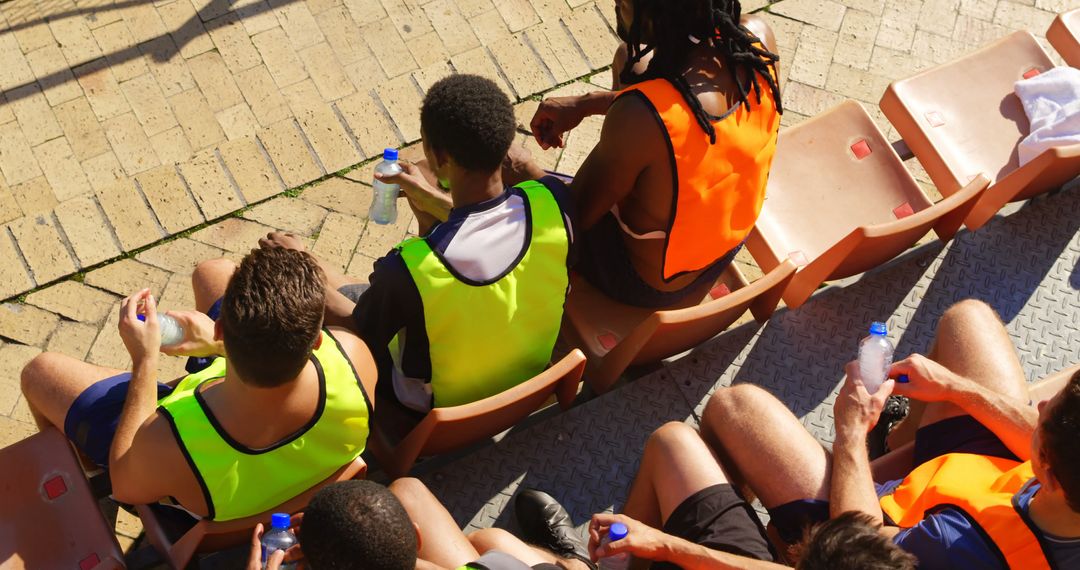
[212,268]
[967,310]
[487,539]
[670,435]
[36,371]
[409,491]
[733,402]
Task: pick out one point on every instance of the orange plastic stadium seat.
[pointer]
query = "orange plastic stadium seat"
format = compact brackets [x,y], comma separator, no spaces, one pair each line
[615,336]
[444,430]
[48,515]
[212,536]
[1064,35]
[963,119]
[840,202]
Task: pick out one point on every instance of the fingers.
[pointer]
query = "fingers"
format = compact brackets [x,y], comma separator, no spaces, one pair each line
[274,563]
[255,553]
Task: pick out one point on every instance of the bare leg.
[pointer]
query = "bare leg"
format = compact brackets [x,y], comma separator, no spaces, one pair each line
[209,281]
[51,382]
[441,541]
[335,279]
[488,539]
[757,435]
[972,342]
[676,464]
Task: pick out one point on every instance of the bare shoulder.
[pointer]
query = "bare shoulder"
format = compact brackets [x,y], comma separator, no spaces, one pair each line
[760,28]
[357,351]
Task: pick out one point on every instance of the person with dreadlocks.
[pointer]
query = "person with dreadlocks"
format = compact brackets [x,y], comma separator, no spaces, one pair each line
[678,177]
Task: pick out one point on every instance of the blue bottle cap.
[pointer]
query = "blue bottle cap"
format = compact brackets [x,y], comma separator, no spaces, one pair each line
[879,328]
[141,317]
[617,531]
[280,521]
[390,154]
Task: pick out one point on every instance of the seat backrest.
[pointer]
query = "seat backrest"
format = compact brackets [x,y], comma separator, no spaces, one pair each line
[833,173]
[963,118]
[212,536]
[1064,35]
[448,429]
[48,515]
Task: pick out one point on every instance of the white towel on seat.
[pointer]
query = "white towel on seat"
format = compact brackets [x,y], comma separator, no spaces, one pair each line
[1051,101]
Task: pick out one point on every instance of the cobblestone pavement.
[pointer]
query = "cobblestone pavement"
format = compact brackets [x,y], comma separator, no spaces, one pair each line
[139,137]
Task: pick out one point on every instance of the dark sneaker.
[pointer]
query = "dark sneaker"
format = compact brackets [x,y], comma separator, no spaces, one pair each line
[895,410]
[545,523]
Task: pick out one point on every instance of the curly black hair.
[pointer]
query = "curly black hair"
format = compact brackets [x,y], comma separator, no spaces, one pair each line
[1060,432]
[471,119]
[675,24]
[357,525]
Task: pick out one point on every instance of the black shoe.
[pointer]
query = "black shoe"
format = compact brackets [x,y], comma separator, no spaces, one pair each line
[895,410]
[545,523]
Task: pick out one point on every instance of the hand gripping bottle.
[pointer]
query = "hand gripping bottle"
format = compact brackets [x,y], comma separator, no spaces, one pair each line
[384,202]
[171,331]
[875,357]
[279,537]
[617,531]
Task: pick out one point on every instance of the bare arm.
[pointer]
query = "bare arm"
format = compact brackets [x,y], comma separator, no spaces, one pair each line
[1011,420]
[686,554]
[855,412]
[631,137]
[338,310]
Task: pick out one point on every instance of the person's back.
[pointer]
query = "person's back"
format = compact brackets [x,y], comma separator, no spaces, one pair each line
[678,177]
[282,412]
[473,307]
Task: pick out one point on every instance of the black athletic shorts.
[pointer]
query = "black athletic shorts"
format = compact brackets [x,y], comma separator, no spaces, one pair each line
[719,518]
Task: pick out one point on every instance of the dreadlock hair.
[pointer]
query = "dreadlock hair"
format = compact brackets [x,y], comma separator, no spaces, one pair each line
[714,22]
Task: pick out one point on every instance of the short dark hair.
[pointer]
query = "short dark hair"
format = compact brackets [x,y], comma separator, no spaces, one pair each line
[1060,432]
[271,315]
[469,118]
[851,541]
[357,525]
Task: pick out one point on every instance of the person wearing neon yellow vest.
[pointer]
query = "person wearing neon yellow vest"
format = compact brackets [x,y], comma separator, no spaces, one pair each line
[283,406]
[473,307]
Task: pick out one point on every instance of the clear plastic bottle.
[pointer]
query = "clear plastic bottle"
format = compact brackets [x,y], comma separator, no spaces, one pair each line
[384,202]
[875,357]
[617,531]
[279,537]
[171,331]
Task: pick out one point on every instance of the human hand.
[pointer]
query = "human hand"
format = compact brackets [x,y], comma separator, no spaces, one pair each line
[423,196]
[255,561]
[642,541]
[923,379]
[856,410]
[555,117]
[198,336]
[286,240]
[142,337]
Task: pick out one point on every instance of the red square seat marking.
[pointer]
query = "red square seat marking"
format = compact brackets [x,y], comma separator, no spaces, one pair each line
[903,210]
[798,257]
[861,149]
[608,340]
[1031,73]
[719,291]
[89,562]
[935,119]
[54,487]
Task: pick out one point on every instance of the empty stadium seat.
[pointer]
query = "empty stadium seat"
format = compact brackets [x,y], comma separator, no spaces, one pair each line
[963,119]
[48,515]
[841,202]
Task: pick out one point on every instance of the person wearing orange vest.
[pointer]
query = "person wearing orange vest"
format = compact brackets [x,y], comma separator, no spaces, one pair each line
[678,178]
[989,482]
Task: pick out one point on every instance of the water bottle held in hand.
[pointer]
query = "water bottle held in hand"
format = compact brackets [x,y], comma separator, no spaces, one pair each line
[875,357]
[616,532]
[384,202]
[171,331]
[279,537]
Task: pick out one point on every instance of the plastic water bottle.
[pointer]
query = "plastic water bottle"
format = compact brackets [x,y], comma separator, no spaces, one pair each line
[875,357]
[171,331]
[279,537]
[384,202]
[616,532]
